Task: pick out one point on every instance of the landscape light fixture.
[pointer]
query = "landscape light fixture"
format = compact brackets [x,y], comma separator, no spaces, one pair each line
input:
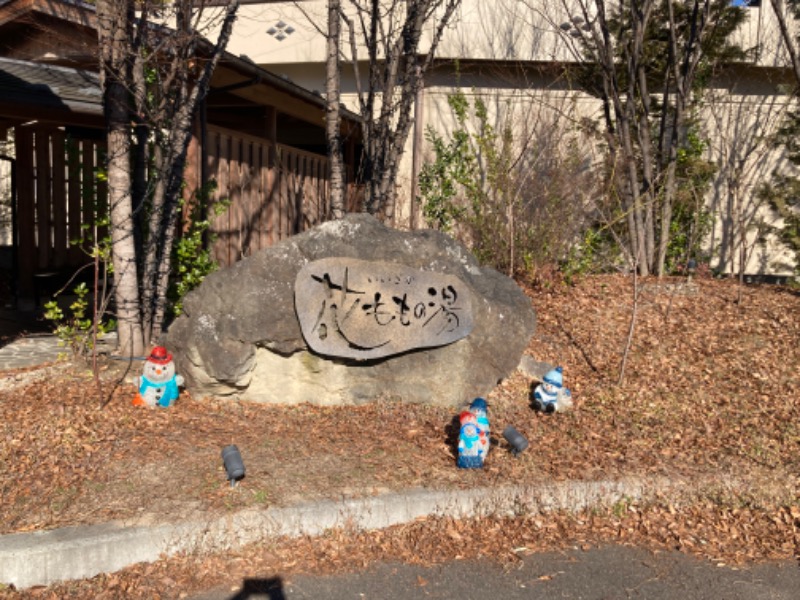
[515,439]
[234,465]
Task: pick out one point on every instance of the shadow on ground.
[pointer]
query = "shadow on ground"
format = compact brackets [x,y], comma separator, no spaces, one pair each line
[17,323]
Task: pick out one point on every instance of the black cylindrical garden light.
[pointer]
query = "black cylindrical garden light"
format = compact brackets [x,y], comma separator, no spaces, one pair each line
[234,465]
[515,439]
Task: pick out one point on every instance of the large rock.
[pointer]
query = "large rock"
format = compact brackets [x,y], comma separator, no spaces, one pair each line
[240,334]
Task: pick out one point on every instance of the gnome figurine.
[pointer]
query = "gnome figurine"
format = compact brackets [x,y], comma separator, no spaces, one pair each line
[473,438]
[478,408]
[158,384]
[551,395]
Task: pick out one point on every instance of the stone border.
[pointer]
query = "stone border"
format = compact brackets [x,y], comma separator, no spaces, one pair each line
[46,557]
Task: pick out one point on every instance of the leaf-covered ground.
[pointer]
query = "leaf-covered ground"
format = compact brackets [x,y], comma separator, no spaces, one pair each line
[711,395]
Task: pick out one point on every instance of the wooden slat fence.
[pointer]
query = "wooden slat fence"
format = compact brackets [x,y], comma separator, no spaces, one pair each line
[58,201]
[274,191]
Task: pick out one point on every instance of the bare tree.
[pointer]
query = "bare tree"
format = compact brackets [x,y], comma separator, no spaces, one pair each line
[784,9]
[625,52]
[391,31]
[154,76]
[741,131]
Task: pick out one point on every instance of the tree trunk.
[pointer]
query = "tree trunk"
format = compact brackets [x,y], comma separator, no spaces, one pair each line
[332,113]
[639,94]
[187,92]
[115,19]
[682,82]
[126,281]
[666,219]
[620,130]
[140,186]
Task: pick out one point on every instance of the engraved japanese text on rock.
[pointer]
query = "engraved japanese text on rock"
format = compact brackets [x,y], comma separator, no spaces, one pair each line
[367,309]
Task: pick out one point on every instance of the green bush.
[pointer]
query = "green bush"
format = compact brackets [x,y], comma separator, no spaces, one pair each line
[75,330]
[516,195]
[191,260]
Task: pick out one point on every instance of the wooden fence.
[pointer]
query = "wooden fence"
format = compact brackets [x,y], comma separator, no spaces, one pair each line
[59,200]
[273,191]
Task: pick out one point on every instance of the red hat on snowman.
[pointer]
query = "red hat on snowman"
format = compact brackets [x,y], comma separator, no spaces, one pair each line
[160,356]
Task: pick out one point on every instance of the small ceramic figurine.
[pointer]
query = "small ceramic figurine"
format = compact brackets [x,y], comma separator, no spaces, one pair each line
[158,384]
[473,438]
[470,447]
[551,395]
[467,416]
[478,408]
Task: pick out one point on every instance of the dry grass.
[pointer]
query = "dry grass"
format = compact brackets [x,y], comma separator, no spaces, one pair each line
[712,391]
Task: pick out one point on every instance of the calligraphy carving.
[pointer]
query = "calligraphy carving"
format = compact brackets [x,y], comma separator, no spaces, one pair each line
[367,309]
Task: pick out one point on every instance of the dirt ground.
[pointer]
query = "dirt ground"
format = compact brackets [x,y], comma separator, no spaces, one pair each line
[711,390]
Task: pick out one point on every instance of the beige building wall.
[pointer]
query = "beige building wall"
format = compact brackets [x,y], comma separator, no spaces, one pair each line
[288,39]
[738,123]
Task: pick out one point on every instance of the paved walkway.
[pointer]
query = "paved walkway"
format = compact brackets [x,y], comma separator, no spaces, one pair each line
[611,571]
[41,348]
[30,351]
[25,340]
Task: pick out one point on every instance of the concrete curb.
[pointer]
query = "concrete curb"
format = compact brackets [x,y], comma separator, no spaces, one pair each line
[45,557]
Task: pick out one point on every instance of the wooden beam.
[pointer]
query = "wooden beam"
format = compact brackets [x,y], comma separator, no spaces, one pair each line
[26,206]
[268,95]
[43,196]
[20,113]
[59,197]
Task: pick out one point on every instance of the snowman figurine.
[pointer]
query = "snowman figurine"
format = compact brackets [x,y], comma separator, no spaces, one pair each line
[471,447]
[551,396]
[158,385]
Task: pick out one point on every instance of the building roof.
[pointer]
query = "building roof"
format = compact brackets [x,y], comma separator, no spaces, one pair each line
[75,89]
[49,86]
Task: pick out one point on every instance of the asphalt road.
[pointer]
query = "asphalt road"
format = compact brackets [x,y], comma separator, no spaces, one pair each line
[607,573]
